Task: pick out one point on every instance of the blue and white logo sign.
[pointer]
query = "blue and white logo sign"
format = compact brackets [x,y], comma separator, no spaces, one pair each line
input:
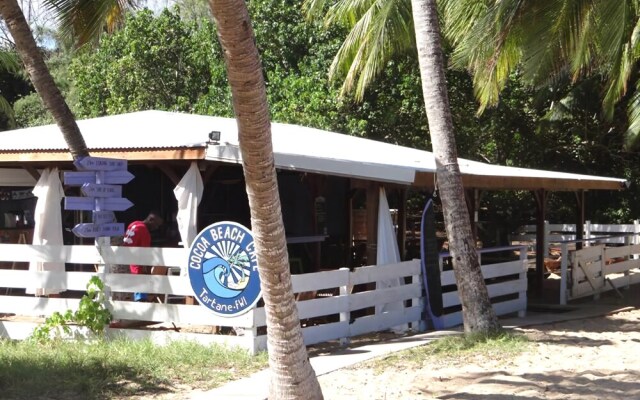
[223,269]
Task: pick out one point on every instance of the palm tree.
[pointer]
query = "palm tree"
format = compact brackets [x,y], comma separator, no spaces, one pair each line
[42,80]
[382,28]
[478,314]
[292,376]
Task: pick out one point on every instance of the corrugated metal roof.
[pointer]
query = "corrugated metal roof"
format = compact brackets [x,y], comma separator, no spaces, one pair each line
[295,147]
[139,130]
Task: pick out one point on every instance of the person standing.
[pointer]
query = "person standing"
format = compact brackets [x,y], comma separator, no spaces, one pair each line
[138,234]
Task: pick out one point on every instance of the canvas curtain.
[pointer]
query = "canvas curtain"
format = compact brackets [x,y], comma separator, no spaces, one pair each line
[189,194]
[48,224]
[388,253]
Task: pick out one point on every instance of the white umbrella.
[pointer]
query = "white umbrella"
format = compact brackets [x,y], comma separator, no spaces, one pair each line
[388,253]
[48,224]
[188,193]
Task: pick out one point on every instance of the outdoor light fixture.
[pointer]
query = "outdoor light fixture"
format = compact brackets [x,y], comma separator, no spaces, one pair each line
[214,136]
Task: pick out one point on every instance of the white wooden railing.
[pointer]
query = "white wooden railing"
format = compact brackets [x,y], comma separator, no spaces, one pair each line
[506,283]
[557,233]
[598,268]
[328,305]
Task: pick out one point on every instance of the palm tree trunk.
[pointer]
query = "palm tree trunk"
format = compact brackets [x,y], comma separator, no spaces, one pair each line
[477,312]
[292,376]
[42,80]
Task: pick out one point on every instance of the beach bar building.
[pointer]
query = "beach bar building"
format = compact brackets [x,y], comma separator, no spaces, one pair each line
[352,274]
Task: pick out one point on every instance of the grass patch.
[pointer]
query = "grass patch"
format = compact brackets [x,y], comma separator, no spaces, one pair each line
[116,369]
[459,349]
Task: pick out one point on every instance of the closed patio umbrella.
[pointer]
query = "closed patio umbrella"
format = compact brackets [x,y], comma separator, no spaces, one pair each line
[48,224]
[188,192]
[388,253]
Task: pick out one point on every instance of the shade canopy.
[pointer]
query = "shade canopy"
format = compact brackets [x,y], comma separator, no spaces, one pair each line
[159,135]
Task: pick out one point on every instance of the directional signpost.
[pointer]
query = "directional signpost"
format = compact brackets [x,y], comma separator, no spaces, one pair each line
[99,180]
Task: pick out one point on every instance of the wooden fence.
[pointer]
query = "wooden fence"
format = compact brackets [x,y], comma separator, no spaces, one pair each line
[332,304]
[598,268]
[557,233]
[506,283]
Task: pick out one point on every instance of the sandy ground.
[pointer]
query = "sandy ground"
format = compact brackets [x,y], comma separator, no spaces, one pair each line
[596,358]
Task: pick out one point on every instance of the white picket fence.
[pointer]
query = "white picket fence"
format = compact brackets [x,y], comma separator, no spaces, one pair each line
[556,233]
[334,310]
[598,268]
[506,283]
[334,304]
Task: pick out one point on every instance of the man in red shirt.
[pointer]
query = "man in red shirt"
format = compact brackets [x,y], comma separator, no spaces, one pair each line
[139,235]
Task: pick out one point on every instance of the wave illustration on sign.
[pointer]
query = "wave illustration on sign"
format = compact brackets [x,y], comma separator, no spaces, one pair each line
[228,274]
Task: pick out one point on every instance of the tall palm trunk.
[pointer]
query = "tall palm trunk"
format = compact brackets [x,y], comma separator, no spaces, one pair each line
[478,315]
[292,376]
[32,58]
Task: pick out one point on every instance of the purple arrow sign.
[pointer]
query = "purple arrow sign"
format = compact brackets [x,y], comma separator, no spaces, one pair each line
[110,177]
[103,217]
[91,203]
[99,190]
[95,230]
[100,164]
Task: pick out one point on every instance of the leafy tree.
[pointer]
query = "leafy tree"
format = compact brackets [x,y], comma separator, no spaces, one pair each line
[151,63]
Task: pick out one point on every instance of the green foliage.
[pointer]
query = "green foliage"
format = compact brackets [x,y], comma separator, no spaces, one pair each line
[91,313]
[30,111]
[151,63]
[502,341]
[109,369]
[456,349]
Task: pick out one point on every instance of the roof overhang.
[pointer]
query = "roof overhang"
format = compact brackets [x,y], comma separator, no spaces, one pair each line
[129,154]
[149,136]
[427,180]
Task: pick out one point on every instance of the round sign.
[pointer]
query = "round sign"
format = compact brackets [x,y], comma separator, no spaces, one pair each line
[223,269]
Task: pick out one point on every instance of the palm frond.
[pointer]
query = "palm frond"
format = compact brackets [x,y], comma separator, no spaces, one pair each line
[619,22]
[7,110]
[383,30]
[349,12]
[490,50]
[85,20]
[557,39]
[314,8]
[460,16]
[9,61]
[632,135]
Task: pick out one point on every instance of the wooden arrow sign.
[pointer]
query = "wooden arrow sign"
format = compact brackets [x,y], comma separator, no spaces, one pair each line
[99,190]
[94,203]
[103,217]
[79,178]
[100,164]
[94,230]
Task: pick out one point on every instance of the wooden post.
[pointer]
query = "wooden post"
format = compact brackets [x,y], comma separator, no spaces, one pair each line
[373,195]
[349,228]
[522,295]
[402,222]
[470,197]
[579,218]
[541,205]
[564,264]
[345,316]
